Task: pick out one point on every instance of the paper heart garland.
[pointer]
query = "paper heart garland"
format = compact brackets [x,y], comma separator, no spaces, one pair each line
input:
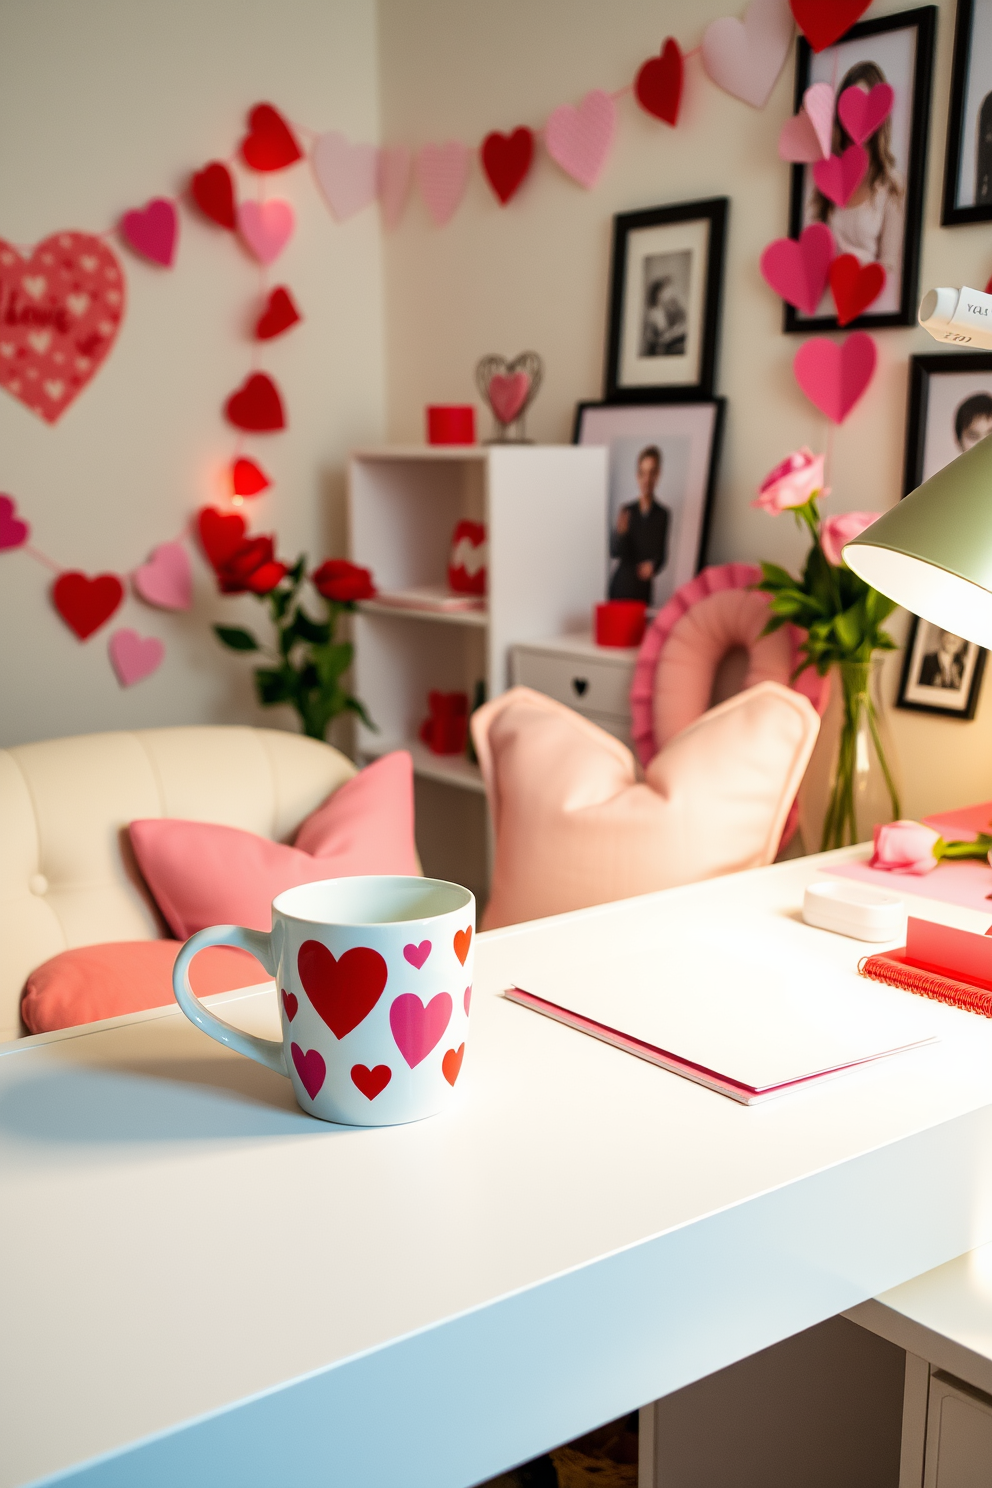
[60,310]
[266,227]
[347,174]
[134,657]
[833,376]
[823,21]
[311,1069]
[807,136]
[166,580]
[371,1082]
[84,603]
[841,175]
[745,57]
[212,188]
[256,405]
[221,534]
[862,113]
[798,270]
[270,144]
[279,314]
[506,159]
[153,230]
[343,990]
[418,1029]
[442,175]
[394,183]
[248,478]
[579,139]
[13,532]
[854,287]
[658,85]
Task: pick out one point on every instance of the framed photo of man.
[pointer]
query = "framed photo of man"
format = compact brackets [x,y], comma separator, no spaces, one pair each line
[942,672]
[880,220]
[662,471]
[666,280]
[968,162]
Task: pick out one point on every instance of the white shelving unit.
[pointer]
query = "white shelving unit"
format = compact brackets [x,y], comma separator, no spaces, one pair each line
[545,513]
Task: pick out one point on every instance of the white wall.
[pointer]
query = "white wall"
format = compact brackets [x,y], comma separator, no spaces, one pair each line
[104,104]
[534,274]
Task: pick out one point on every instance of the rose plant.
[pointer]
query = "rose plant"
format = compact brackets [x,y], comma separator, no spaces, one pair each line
[913,847]
[307,662]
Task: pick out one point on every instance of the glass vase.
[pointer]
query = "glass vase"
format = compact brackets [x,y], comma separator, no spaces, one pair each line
[851,784]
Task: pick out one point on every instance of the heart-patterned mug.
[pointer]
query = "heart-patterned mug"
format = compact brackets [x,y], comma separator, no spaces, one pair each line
[374,977]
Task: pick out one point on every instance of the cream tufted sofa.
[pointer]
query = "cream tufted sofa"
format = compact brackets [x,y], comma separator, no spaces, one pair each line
[66,874]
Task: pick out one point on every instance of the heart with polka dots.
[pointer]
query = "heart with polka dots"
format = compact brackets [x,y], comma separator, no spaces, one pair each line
[60,311]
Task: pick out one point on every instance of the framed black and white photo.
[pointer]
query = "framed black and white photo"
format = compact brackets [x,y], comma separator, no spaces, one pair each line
[968,163]
[950,409]
[666,279]
[882,219]
[942,673]
[662,470]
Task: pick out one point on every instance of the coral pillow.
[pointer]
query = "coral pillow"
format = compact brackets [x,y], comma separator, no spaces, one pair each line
[202,874]
[574,827]
[107,981]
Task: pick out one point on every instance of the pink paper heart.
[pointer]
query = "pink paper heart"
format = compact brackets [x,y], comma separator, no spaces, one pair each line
[818,106]
[579,139]
[744,58]
[798,271]
[347,174]
[417,954]
[153,230]
[166,579]
[418,1029]
[862,113]
[311,1069]
[13,532]
[507,395]
[266,227]
[797,140]
[134,657]
[442,174]
[833,376]
[840,176]
[394,183]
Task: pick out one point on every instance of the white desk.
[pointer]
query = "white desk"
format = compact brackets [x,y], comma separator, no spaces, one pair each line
[202,1286]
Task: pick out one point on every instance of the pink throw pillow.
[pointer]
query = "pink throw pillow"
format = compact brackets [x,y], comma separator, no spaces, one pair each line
[203,874]
[107,981]
[575,827]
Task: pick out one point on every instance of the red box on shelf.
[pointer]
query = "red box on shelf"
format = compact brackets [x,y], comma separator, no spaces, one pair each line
[450,423]
[620,622]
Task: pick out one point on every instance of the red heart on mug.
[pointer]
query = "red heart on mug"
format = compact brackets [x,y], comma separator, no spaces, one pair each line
[279,314]
[451,1064]
[658,86]
[269,144]
[463,939]
[290,1002]
[822,21]
[213,191]
[220,534]
[256,405]
[854,287]
[310,1067]
[84,603]
[506,159]
[345,991]
[371,1082]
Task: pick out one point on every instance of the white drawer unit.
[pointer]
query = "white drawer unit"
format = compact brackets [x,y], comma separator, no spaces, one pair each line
[594,680]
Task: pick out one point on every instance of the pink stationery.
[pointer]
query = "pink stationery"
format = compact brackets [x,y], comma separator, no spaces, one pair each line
[967,882]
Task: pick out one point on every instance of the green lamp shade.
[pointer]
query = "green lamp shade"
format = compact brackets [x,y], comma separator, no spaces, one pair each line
[932,553]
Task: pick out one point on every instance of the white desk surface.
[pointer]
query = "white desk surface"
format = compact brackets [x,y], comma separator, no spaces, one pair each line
[201,1285]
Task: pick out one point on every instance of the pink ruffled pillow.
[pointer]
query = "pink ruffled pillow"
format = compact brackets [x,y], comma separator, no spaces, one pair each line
[574,827]
[203,874]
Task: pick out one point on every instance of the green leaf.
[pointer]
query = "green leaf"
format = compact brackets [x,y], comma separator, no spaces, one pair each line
[772,575]
[849,627]
[332,661]
[235,638]
[274,685]
[310,630]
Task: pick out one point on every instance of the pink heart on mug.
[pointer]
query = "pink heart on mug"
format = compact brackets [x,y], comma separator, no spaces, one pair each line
[862,113]
[166,580]
[13,532]
[840,176]
[266,227]
[310,1067]
[799,270]
[833,376]
[134,657]
[418,1029]
[579,139]
[417,954]
[507,395]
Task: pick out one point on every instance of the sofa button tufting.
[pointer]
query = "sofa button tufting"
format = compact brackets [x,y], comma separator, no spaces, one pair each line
[38,884]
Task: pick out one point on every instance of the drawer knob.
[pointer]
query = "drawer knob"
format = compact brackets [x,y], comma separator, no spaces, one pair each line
[580,686]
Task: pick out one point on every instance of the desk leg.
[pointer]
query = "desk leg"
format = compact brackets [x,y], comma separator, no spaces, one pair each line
[915,1402]
[645,1447]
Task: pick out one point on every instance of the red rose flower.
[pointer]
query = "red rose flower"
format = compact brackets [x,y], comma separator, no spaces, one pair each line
[339,580]
[251,567]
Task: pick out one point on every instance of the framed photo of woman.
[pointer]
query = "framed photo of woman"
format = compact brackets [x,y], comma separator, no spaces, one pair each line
[881,221]
[968,164]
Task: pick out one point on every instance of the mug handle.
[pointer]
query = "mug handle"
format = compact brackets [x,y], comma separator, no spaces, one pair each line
[259,944]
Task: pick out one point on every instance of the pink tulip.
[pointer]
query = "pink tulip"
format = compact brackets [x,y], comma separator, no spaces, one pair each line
[836,531]
[904,847]
[792,483]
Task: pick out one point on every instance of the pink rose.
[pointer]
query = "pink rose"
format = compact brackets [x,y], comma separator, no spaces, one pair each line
[904,847]
[836,531]
[792,483]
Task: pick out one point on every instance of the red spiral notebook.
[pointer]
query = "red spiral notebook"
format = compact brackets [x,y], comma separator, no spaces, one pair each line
[952,966]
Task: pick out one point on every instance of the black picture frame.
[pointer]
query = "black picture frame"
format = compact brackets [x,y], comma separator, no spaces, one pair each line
[639,424]
[910,688]
[953,215]
[921,370]
[924,20]
[619,385]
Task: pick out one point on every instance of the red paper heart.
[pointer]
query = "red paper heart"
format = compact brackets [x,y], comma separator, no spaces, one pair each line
[247,478]
[345,991]
[506,159]
[854,288]
[841,175]
[279,314]
[451,1064]
[310,1067]
[269,144]
[153,230]
[290,1002]
[212,189]
[823,21]
[658,85]
[798,270]
[60,310]
[463,939]
[256,405]
[371,1082]
[85,604]
[13,532]
[221,535]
